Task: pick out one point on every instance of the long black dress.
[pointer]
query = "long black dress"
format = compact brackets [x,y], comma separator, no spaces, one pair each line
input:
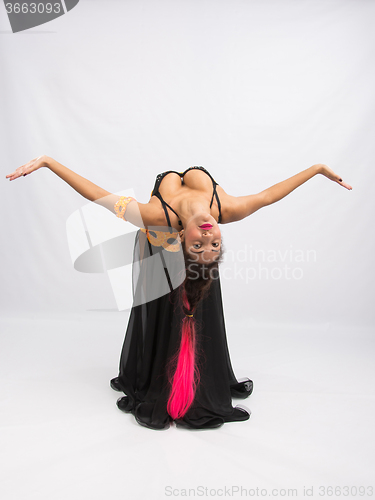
[153,337]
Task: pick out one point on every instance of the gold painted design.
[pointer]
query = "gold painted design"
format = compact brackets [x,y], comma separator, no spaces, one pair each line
[121,205]
[163,239]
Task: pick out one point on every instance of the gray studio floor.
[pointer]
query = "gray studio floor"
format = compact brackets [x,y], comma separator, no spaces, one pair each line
[62,436]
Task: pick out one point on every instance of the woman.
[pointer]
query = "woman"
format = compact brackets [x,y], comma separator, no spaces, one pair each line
[175,363]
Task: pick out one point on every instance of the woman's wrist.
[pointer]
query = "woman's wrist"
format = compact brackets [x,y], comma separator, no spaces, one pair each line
[46,161]
[318,168]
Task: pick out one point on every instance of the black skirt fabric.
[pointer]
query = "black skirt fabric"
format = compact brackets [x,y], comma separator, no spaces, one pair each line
[153,337]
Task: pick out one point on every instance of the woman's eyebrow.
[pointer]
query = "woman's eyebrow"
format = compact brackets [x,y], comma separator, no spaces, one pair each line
[217,251]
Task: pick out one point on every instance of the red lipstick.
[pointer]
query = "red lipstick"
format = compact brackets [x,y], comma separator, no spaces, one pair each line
[206,226]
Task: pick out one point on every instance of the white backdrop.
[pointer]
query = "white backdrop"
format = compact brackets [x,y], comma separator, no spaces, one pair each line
[255,91]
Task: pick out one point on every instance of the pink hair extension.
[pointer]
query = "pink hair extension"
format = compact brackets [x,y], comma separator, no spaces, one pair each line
[186,374]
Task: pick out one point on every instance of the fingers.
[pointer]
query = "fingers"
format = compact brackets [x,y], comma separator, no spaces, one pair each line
[344,184]
[17,173]
[14,175]
[23,170]
[339,180]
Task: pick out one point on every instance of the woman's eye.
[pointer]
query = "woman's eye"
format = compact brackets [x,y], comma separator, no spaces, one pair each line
[215,244]
[196,245]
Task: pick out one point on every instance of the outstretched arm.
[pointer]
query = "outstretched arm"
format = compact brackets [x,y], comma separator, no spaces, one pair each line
[243,206]
[83,186]
[138,214]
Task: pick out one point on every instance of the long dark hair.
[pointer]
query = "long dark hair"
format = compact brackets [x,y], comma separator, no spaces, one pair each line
[185,376]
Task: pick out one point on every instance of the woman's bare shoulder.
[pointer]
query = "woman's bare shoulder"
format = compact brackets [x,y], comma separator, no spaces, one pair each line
[235,208]
[227,203]
[151,213]
[143,214]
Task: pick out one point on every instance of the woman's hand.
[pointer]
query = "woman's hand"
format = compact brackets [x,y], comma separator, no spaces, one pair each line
[330,174]
[31,166]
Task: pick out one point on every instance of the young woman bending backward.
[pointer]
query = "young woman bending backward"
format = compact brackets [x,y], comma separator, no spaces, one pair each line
[175,363]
